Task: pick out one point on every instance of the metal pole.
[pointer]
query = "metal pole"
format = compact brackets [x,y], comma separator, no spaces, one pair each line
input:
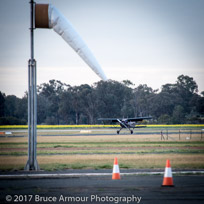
[179,135]
[162,136]
[32,163]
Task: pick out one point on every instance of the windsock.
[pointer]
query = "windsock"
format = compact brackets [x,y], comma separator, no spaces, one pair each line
[47,16]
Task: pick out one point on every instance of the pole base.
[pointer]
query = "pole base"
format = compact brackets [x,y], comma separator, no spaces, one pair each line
[33,167]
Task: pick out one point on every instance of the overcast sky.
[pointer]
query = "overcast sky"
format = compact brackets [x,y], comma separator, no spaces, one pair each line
[145,41]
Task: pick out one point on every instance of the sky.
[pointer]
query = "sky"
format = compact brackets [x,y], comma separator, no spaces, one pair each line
[145,41]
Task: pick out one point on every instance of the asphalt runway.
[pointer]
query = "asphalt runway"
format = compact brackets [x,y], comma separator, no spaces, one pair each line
[189,189]
[99,132]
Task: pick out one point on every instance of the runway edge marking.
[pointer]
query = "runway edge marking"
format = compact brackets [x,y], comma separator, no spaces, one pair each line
[70,175]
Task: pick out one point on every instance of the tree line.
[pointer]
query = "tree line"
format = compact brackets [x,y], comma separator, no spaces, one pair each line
[60,103]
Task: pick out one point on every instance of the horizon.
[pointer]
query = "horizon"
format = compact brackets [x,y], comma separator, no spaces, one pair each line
[132,86]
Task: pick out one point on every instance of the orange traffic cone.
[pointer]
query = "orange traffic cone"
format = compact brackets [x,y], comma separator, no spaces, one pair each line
[116,170]
[168,180]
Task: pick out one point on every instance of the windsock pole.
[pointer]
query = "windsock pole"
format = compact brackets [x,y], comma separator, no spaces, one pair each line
[32,163]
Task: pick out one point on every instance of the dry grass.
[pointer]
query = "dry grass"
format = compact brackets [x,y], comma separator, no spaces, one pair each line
[105,161]
[133,161]
[150,160]
[101,138]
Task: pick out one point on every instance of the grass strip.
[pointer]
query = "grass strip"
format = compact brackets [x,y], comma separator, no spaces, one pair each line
[146,161]
[150,151]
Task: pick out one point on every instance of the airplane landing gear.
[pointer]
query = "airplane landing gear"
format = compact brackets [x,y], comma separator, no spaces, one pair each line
[118,132]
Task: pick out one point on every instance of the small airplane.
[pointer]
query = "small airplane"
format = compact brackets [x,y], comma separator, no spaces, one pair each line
[127,123]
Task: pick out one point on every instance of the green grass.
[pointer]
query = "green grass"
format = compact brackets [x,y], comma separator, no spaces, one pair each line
[150,151]
[107,144]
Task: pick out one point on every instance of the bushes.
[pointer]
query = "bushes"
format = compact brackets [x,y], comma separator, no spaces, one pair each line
[12,121]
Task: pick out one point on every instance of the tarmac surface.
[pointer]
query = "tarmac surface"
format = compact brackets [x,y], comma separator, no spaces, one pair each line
[95,188]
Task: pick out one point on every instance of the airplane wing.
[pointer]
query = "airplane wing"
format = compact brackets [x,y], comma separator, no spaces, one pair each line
[109,119]
[139,118]
[127,119]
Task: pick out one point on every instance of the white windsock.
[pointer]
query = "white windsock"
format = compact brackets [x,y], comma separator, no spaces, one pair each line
[62,26]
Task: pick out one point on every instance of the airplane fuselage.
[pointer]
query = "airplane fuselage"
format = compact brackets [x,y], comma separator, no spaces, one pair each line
[126,124]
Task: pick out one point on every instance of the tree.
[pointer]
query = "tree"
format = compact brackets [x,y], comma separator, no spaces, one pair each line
[111,98]
[178,115]
[187,83]
[43,107]
[59,103]
[87,101]
[127,83]
[21,108]
[164,119]
[142,103]
[15,111]
[10,105]
[200,105]
[51,92]
[2,104]
[186,88]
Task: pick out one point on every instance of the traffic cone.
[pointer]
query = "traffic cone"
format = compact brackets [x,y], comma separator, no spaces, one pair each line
[168,180]
[116,170]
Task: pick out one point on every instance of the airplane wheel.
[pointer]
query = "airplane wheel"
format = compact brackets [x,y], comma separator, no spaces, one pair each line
[118,132]
[131,131]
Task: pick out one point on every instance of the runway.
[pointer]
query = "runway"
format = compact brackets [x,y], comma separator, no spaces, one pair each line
[97,132]
[132,188]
